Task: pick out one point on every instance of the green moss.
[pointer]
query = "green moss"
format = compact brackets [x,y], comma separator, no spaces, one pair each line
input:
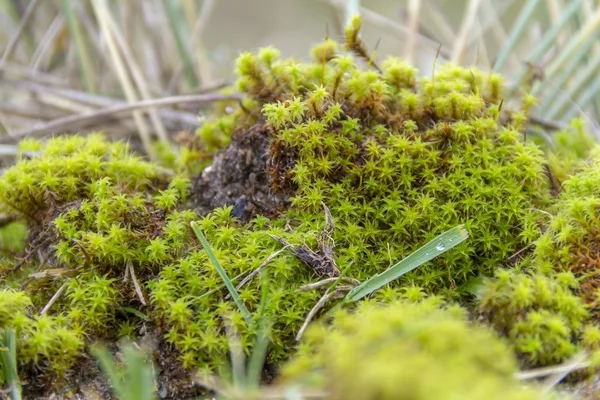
[404,350]
[397,159]
[46,342]
[571,242]
[99,230]
[62,170]
[541,316]
[570,147]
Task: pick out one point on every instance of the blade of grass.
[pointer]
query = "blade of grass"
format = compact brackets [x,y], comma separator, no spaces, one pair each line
[137,384]
[177,23]
[458,52]
[8,362]
[553,87]
[83,54]
[100,7]
[263,339]
[589,30]
[414,10]
[523,20]
[139,375]
[548,40]
[588,95]
[14,39]
[434,248]
[580,81]
[222,273]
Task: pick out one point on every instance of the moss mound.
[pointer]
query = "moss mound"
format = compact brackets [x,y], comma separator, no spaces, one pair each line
[366,164]
[406,351]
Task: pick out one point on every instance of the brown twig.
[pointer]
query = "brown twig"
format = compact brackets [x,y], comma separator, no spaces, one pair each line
[94,116]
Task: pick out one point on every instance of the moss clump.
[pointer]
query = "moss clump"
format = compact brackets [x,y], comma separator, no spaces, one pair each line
[44,342]
[398,160]
[570,147]
[395,158]
[572,241]
[62,170]
[405,351]
[541,316]
[103,226]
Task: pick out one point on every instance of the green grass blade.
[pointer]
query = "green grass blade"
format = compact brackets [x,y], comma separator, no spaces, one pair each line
[8,362]
[109,368]
[263,336]
[177,21]
[547,42]
[523,21]
[139,375]
[83,52]
[434,248]
[137,384]
[234,294]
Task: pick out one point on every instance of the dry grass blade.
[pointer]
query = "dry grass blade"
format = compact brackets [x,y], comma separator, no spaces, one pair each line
[100,9]
[523,20]
[83,54]
[589,30]
[76,121]
[458,52]
[12,43]
[569,366]
[414,9]
[46,43]
[137,75]
[56,296]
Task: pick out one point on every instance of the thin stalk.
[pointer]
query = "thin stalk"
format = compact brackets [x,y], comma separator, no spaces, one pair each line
[548,41]
[414,10]
[83,54]
[177,22]
[516,33]
[130,93]
[20,31]
[458,52]
[137,75]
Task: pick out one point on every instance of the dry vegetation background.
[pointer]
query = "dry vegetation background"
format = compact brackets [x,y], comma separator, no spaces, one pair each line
[71,65]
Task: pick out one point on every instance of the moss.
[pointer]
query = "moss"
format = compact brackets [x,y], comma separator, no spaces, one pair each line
[570,147]
[62,170]
[541,316]
[571,241]
[395,158]
[405,350]
[45,342]
[102,225]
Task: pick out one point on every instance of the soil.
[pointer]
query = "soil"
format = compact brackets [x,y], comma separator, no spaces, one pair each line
[239,177]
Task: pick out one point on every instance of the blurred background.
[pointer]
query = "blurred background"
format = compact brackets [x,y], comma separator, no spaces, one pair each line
[66,61]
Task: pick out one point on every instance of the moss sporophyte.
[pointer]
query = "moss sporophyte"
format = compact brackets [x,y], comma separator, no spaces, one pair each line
[396,158]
